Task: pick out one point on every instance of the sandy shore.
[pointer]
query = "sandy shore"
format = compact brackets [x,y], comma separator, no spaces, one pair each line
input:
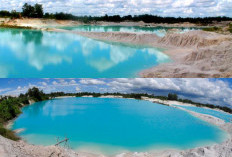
[60,97]
[110,96]
[38,23]
[10,148]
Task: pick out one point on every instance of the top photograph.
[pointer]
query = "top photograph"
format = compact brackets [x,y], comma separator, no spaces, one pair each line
[115,39]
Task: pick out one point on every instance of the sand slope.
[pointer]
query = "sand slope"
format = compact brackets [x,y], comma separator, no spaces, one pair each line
[37,23]
[195,54]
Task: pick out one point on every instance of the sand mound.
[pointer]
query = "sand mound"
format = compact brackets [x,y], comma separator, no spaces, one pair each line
[37,23]
[193,39]
[122,37]
[214,61]
[10,148]
[203,54]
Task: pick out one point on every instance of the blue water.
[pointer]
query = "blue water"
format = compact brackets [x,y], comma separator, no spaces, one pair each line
[112,126]
[219,114]
[160,31]
[41,54]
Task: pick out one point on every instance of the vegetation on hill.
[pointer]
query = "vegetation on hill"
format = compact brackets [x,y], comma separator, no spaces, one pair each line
[36,11]
[10,107]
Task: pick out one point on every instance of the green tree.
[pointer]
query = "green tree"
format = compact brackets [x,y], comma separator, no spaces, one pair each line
[172,96]
[35,93]
[15,14]
[9,108]
[28,10]
[38,10]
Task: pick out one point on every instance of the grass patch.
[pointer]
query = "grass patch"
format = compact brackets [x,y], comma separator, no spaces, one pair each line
[8,133]
[212,29]
[230,27]
[14,26]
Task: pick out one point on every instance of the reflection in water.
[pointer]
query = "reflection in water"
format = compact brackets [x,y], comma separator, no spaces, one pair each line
[52,54]
[4,71]
[160,31]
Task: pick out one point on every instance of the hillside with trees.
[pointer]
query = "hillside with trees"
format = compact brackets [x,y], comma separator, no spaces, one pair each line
[10,107]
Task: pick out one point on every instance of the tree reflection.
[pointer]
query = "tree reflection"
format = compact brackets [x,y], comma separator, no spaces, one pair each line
[32,36]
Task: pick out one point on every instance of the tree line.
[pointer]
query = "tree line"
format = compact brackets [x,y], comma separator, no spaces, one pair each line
[36,11]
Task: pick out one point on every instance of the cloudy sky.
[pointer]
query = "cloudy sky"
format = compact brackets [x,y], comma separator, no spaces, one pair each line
[215,91]
[134,7]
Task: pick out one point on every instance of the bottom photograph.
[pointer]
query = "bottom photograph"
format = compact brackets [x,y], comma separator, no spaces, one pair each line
[115,117]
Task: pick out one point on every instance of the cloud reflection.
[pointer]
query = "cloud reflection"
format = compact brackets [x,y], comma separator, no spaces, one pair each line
[40,49]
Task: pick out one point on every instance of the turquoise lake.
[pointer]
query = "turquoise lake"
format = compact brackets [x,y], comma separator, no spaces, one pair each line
[219,114]
[41,54]
[111,126]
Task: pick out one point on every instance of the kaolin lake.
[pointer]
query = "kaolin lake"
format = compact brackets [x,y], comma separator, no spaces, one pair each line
[41,54]
[111,126]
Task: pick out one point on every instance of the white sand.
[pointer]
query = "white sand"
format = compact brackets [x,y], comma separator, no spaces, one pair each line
[87,96]
[60,97]
[110,96]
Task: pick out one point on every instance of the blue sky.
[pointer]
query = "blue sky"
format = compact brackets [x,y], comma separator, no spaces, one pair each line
[215,91]
[124,7]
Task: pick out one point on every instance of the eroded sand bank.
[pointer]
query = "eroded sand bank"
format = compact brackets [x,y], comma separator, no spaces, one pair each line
[10,148]
[37,23]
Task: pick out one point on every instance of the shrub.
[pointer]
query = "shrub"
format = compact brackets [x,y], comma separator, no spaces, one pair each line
[230,27]
[8,134]
[212,29]
[172,96]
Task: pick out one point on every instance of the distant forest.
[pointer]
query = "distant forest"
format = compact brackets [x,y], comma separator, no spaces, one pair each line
[36,11]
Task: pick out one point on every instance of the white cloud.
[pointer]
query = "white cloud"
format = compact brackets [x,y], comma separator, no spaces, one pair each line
[54,83]
[215,92]
[91,82]
[43,83]
[124,7]
[17,91]
[72,82]
[4,90]
[78,89]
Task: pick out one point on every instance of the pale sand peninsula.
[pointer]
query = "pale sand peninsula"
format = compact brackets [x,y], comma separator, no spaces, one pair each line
[10,148]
